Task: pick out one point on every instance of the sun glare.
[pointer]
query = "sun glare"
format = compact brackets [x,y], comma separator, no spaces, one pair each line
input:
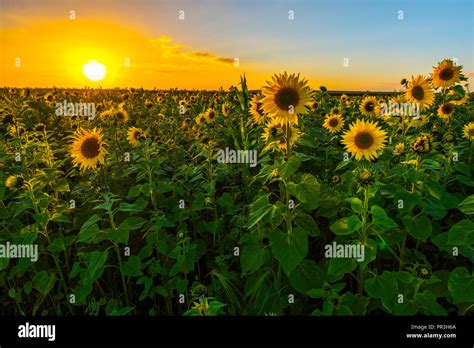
[94,71]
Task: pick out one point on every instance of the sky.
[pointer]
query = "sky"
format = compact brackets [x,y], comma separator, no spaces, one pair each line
[341,44]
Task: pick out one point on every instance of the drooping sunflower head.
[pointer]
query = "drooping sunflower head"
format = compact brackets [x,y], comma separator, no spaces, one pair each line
[446,74]
[365,177]
[256,110]
[225,109]
[420,91]
[468,131]
[285,97]
[88,148]
[368,106]
[445,110]
[135,136]
[333,123]
[364,139]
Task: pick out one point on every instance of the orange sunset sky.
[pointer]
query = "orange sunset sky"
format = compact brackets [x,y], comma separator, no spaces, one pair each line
[148,44]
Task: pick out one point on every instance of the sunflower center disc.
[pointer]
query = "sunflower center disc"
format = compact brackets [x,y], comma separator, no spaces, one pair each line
[447,108]
[333,123]
[286,97]
[446,74]
[364,140]
[418,92]
[90,148]
[369,107]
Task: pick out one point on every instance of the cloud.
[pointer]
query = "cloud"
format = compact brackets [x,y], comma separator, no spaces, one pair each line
[165,43]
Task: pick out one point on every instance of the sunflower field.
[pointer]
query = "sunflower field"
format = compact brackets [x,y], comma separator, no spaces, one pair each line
[154,206]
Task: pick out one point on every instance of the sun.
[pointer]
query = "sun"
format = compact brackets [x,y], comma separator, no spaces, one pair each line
[94,71]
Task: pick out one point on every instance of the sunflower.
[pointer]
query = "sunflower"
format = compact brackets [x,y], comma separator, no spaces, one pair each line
[121,115]
[285,97]
[421,144]
[185,124]
[225,109]
[446,74]
[210,115]
[365,177]
[344,98]
[256,110]
[364,139]
[335,111]
[333,123]
[445,110]
[201,118]
[420,91]
[412,162]
[134,136]
[468,131]
[368,106]
[15,130]
[275,134]
[14,181]
[40,127]
[88,148]
[312,105]
[107,113]
[399,149]
[272,129]
[398,99]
